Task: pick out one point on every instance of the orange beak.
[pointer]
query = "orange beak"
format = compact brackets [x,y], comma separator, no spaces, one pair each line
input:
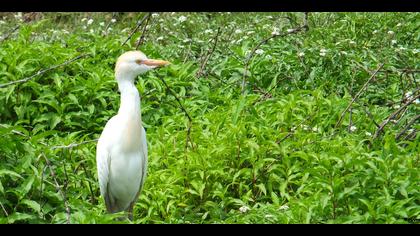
[155,63]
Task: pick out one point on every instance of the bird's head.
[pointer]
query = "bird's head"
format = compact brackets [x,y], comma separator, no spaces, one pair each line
[133,63]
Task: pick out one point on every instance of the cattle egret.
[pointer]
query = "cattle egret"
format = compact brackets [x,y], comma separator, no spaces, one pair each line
[121,152]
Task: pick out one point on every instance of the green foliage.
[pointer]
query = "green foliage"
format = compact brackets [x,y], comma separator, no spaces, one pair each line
[270,155]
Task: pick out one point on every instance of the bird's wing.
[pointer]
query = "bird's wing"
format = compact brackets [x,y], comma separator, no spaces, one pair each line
[145,161]
[103,161]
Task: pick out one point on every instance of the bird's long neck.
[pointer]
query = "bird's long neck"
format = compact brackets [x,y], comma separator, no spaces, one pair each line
[130,99]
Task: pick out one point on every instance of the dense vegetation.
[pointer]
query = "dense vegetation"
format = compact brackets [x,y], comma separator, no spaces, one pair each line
[316,125]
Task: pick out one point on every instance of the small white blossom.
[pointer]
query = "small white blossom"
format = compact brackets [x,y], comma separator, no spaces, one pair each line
[323,50]
[113,20]
[208,31]
[268,216]
[2,22]
[322,54]
[84,19]
[65,31]
[90,21]
[301,54]
[238,31]
[284,207]
[417,101]
[408,94]
[154,15]
[18,15]
[269,17]
[315,129]
[344,53]
[275,31]
[393,41]
[396,106]
[102,24]
[391,32]
[375,32]
[244,209]
[250,32]
[269,57]
[91,31]
[353,128]
[186,40]
[182,19]
[368,134]
[159,38]
[352,42]
[259,51]
[305,127]
[415,51]
[399,24]
[110,29]
[290,30]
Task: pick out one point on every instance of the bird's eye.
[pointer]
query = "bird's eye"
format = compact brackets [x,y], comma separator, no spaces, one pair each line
[139,61]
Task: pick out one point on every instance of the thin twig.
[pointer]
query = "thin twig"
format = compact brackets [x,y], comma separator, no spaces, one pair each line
[135,29]
[370,116]
[209,53]
[143,33]
[395,113]
[177,99]
[43,71]
[58,188]
[4,210]
[292,131]
[73,144]
[410,123]
[357,95]
[10,33]
[252,53]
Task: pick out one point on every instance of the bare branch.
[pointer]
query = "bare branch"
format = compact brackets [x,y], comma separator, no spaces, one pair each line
[252,53]
[73,144]
[209,53]
[357,95]
[410,123]
[58,188]
[143,33]
[136,28]
[177,99]
[10,33]
[395,113]
[43,71]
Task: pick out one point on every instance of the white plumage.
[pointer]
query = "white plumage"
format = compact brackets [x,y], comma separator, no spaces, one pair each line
[121,152]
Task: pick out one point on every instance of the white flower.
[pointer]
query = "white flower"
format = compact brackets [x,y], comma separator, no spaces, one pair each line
[186,40]
[315,129]
[269,57]
[290,30]
[374,32]
[238,31]
[84,19]
[250,32]
[208,31]
[91,31]
[353,128]
[408,94]
[275,31]
[323,50]
[284,207]
[368,133]
[415,51]
[102,23]
[393,41]
[396,106]
[65,31]
[305,127]
[343,53]
[110,29]
[399,24]
[417,101]
[391,32]
[259,51]
[268,216]
[410,130]
[244,209]
[269,17]
[154,15]
[2,22]
[301,54]
[18,15]
[159,38]
[322,54]
[90,21]
[182,19]
[352,42]
[113,20]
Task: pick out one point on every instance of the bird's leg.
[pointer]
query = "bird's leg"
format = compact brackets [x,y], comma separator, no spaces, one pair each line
[130,212]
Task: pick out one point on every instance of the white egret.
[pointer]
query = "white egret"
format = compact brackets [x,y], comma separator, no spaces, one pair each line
[121,152]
